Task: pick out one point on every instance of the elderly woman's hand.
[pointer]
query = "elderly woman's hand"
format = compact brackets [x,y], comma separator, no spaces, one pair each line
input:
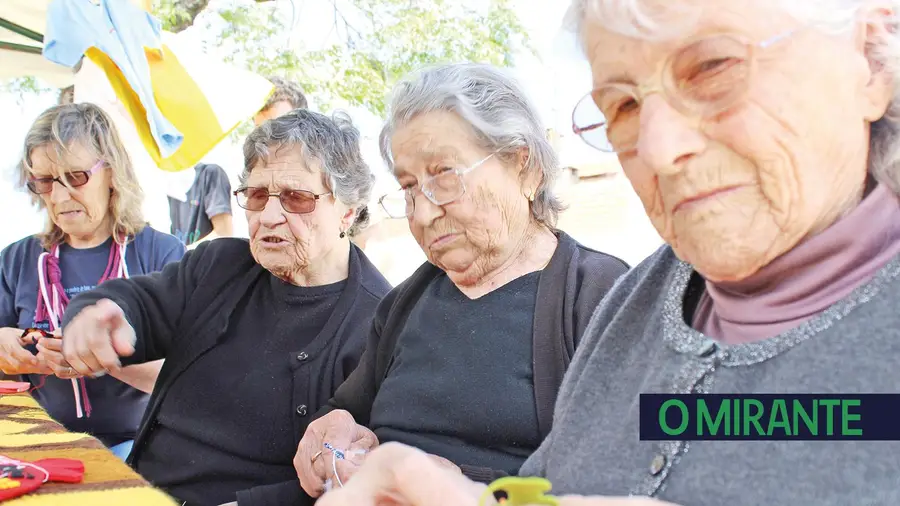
[14,358]
[50,352]
[315,464]
[96,338]
[400,475]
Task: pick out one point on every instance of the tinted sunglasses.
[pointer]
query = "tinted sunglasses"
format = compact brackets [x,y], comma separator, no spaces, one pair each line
[292,201]
[42,185]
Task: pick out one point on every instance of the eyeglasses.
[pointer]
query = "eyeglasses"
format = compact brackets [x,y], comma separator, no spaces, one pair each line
[42,185]
[292,201]
[441,189]
[705,77]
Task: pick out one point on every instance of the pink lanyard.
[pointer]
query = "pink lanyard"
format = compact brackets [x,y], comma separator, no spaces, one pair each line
[54,301]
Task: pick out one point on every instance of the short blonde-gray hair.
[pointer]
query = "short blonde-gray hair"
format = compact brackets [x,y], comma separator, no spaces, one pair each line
[61,126]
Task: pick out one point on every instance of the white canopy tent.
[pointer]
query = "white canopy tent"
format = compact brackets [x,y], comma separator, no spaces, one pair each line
[22,25]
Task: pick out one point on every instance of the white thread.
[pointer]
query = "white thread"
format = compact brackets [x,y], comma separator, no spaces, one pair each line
[123,266]
[20,464]
[41,469]
[336,455]
[54,307]
[53,312]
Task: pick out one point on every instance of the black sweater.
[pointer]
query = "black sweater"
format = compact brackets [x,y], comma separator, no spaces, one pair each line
[183,312]
[569,289]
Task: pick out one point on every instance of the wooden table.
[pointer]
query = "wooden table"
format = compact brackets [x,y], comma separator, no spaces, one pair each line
[28,433]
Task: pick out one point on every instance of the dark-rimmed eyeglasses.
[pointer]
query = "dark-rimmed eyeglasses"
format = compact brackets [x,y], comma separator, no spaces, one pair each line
[705,77]
[292,201]
[74,179]
[441,189]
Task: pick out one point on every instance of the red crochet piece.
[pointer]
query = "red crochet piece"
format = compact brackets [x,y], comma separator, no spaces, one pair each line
[18,477]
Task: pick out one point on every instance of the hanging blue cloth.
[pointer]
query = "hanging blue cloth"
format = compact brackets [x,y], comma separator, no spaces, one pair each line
[121,30]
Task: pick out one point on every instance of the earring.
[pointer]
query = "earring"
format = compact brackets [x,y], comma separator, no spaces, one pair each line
[343,234]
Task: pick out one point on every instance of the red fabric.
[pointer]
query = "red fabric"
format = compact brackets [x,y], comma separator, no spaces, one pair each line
[29,476]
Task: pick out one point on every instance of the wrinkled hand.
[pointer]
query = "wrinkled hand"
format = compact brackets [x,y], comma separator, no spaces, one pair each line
[399,475]
[50,351]
[15,359]
[442,462]
[96,338]
[341,431]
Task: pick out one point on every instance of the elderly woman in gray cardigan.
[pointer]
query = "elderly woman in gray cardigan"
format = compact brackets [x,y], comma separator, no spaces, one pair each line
[762,139]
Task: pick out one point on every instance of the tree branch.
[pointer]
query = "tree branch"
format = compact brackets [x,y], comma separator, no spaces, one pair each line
[188,11]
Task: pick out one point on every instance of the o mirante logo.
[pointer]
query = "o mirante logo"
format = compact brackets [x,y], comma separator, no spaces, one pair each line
[769,417]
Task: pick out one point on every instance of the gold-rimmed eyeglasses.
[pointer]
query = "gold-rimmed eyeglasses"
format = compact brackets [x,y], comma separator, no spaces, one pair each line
[704,77]
[441,189]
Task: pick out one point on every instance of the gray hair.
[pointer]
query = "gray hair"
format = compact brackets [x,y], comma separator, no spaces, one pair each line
[332,142]
[631,18]
[495,107]
[66,95]
[286,91]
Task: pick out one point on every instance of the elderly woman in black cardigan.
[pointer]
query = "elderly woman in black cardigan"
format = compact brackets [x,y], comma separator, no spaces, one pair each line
[256,335]
[465,357]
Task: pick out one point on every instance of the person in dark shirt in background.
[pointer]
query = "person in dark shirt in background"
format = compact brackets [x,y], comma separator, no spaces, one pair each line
[205,212]
[286,97]
[78,172]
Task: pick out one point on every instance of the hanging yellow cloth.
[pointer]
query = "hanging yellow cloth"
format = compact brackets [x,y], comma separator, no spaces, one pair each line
[182,100]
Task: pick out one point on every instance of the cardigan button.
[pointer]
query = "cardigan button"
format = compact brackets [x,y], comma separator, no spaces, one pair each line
[707,349]
[302,356]
[657,464]
[301,410]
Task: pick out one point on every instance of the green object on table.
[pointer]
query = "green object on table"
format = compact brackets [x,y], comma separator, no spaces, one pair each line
[514,491]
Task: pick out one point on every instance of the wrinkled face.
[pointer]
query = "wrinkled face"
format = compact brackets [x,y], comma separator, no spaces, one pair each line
[472,236]
[732,191]
[81,212]
[277,109]
[287,243]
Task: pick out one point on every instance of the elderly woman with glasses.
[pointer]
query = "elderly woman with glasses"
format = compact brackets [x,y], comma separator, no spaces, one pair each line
[762,137]
[465,357]
[257,335]
[78,172]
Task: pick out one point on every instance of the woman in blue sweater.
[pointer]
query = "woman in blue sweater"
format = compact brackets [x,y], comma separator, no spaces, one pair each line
[80,175]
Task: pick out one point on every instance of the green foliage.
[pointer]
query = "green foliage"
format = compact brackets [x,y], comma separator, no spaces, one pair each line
[176,15]
[23,87]
[171,13]
[383,40]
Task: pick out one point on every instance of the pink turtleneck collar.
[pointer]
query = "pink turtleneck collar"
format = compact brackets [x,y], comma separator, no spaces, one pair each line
[806,280]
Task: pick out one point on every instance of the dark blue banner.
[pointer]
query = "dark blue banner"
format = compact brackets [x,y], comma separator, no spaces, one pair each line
[782,417]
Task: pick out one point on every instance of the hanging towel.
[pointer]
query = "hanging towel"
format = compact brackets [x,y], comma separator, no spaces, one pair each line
[125,34]
[201,97]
